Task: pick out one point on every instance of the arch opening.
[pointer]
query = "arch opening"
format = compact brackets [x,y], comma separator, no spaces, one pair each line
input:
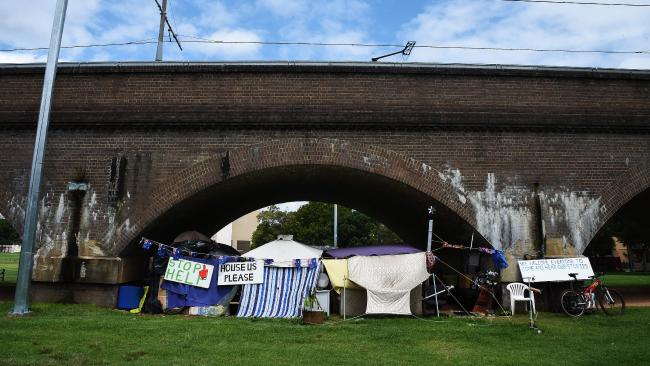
[400,207]
[623,242]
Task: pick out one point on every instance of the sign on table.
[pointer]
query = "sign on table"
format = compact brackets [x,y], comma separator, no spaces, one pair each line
[545,270]
[189,273]
[241,273]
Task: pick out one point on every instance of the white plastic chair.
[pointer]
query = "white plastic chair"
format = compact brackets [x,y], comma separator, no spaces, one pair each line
[517,294]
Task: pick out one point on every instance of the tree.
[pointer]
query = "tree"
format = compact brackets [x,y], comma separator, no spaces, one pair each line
[629,231]
[269,226]
[7,233]
[313,224]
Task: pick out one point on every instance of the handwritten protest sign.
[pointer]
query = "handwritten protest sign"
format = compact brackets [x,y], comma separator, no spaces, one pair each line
[241,273]
[189,273]
[545,270]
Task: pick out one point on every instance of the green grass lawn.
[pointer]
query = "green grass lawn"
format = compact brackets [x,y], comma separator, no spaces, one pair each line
[9,262]
[627,279]
[83,334]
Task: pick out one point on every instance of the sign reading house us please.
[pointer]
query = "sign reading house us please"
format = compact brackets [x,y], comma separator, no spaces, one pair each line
[189,273]
[241,273]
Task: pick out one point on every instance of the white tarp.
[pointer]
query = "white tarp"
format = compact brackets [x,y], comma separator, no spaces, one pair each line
[284,251]
[388,280]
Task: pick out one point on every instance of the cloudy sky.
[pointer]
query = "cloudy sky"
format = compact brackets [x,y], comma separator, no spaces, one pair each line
[473,23]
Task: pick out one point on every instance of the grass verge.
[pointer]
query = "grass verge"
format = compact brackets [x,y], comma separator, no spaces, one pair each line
[83,334]
[9,262]
[627,279]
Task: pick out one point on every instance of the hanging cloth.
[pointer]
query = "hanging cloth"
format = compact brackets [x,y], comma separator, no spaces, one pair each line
[499,259]
[282,293]
[337,270]
[389,280]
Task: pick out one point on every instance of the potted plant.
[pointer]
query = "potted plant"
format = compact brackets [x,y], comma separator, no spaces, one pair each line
[312,312]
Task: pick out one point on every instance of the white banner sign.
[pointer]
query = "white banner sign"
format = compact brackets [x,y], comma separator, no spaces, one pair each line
[545,270]
[189,273]
[241,273]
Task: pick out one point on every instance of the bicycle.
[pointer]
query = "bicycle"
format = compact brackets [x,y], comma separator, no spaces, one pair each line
[575,303]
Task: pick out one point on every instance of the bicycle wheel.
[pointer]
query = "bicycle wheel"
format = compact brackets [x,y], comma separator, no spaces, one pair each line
[611,302]
[572,303]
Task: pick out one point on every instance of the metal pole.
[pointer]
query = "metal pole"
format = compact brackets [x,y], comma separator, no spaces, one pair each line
[24,280]
[161,30]
[435,291]
[429,235]
[345,285]
[336,234]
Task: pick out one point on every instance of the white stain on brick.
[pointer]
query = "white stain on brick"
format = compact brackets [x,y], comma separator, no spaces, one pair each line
[578,212]
[503,218]
[60,209]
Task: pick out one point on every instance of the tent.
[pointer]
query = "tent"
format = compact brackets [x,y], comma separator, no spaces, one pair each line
[388,280]
[283,252]
[177,295]
[337,266]
[388,273]
[290,275]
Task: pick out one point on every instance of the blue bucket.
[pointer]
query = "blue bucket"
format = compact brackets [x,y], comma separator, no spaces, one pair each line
[128,297]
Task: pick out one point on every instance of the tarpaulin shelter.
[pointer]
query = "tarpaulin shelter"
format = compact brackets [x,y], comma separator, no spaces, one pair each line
[389,280]
[181,295]
[178,295]
[290,274]
[337,267]
[387,272]
[371,250]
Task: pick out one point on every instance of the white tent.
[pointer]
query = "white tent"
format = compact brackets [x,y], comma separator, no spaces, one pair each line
[288,279]
[283,251]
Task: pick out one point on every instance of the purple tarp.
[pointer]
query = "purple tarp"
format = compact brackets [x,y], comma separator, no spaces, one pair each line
[371,250]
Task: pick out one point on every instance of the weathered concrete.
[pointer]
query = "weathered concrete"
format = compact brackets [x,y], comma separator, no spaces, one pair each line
[509,153]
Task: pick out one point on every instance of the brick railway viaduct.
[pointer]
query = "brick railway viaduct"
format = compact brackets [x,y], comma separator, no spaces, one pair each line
[532,159]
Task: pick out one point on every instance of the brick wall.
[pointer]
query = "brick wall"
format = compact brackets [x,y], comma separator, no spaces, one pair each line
[480,143]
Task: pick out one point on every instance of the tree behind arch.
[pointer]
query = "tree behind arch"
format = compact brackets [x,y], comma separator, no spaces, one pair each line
[313,224]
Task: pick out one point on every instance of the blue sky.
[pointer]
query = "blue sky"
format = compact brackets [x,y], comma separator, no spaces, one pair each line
[475,23]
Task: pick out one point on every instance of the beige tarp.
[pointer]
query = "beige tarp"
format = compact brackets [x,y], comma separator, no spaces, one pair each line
[337,270]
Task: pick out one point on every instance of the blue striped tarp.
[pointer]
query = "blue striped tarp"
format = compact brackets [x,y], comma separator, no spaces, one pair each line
[281,295]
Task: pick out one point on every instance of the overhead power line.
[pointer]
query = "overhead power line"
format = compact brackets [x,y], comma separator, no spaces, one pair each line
[203,40]
[144,41]
[576,3]
[323,44]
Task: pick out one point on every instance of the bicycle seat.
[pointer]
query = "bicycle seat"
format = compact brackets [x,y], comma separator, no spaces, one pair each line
[573,275]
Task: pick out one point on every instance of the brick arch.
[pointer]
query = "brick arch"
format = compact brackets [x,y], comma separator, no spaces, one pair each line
[624,189]
[295,152]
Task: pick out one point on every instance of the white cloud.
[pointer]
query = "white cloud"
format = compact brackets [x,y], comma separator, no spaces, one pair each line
[542,26]
[320,21]
[20,58]
[284,8]
[442,22]
[289,206]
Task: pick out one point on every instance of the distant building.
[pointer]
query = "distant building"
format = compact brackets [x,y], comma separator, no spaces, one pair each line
[238,233]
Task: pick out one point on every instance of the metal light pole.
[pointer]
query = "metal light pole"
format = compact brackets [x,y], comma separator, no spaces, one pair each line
[163,15]
[24,280]
[431,211]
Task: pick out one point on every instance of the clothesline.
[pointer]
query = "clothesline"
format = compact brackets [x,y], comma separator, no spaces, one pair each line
[498,256]
[458,246]
[164,250]
[473,281]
